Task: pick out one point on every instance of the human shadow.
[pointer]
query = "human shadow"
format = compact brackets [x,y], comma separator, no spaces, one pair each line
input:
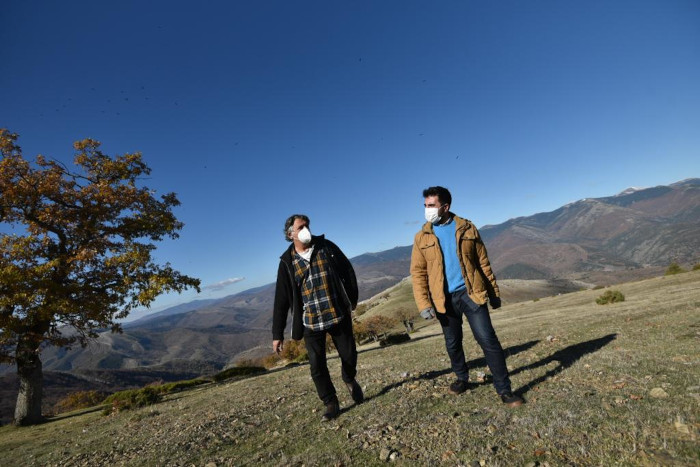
[565,357]
[429,375]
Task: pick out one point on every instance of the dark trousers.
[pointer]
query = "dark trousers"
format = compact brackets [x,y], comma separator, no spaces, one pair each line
[459,304]
[344,342]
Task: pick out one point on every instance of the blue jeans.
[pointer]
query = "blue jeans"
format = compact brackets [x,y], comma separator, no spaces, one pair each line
[479,320]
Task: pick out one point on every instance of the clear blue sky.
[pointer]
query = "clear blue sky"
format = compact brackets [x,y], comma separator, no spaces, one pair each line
[251,111]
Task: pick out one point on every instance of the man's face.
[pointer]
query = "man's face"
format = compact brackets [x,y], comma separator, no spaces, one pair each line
[434,202]
[297,226]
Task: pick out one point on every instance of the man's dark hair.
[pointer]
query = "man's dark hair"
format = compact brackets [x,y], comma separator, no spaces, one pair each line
[290,222]
[443,194]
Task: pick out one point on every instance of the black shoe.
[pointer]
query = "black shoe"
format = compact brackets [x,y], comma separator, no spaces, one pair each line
[511,400]
[332,410]
[356,392]
[459,386]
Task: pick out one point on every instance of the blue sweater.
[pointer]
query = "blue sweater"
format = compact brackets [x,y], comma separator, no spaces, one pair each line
[446,235]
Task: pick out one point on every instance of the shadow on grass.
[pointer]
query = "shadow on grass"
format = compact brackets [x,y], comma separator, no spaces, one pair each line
[565,357]
[515,349]
[75,413]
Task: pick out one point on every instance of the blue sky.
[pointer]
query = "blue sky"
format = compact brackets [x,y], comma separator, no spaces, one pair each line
[251,111]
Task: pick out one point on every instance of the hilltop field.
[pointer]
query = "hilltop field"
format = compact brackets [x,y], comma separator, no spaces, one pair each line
[604,384]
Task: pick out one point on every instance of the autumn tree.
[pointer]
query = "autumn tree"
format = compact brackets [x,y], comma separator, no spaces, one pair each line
[75,254]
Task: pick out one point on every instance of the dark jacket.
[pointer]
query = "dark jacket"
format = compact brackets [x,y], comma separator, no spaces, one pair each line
[288,295]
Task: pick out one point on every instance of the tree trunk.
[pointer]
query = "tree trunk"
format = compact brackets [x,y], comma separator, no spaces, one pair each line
[31,382]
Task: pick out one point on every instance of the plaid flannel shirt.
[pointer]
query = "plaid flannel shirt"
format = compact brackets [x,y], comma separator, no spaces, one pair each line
[315,279]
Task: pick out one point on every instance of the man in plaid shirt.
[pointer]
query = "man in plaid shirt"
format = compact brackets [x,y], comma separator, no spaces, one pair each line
[317,283]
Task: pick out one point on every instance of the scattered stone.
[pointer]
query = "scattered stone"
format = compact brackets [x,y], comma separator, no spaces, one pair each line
[384,454]
[680,426]
[393,456]
[480,376]
[405,374]
[658,393]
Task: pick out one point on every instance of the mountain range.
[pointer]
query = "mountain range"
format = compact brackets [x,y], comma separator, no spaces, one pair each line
[597,240]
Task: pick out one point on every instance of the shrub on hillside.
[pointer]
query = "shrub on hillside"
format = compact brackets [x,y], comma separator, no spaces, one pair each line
[674,268]
[696,267]
[79,400]
[131,399]
[372,328]
[269,361]
[238,371]
[361,309]
[295,351]
[405,315]
[176,386]
[610,296]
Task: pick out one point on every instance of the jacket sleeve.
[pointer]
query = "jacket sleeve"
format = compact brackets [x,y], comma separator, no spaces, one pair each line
[346,272]
[283,300]
[419,278]
[485,267]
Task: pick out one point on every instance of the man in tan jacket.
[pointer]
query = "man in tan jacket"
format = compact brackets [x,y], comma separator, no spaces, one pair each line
[452,275]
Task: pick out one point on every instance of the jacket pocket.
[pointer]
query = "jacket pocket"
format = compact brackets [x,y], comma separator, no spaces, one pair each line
[429,251]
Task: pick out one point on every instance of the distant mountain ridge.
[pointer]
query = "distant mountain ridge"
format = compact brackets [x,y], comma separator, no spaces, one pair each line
[634,229]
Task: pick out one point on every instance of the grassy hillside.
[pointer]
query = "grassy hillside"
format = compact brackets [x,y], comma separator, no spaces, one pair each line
[603,384]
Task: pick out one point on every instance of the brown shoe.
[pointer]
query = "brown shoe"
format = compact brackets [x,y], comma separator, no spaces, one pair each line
[332,410]
[356,392]
[511,400]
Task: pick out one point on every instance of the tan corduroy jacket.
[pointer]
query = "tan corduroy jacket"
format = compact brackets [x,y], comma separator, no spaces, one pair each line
[428,270]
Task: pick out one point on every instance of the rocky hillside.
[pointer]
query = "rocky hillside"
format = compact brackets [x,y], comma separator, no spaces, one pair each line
[635,229]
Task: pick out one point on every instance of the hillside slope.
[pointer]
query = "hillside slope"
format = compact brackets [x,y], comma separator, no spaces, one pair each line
[597,241]
[613,384]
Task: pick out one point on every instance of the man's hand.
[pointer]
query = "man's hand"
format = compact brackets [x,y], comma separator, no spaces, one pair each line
[428,313]
[277,346]
[495,302]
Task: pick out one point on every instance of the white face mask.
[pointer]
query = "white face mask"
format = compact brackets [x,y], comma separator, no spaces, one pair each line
[431,215]
[304,236]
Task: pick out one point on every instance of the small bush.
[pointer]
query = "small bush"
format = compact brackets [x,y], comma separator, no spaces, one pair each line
[374,327]
[610,296]
[168,388]
[295,351]
[361,309]
[239,371]
[79,400]
[131,399]
[674,268]
[598,287]
[696,267]
[269,361]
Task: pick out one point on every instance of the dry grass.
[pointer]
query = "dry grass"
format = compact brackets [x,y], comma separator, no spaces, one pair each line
[588,373]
